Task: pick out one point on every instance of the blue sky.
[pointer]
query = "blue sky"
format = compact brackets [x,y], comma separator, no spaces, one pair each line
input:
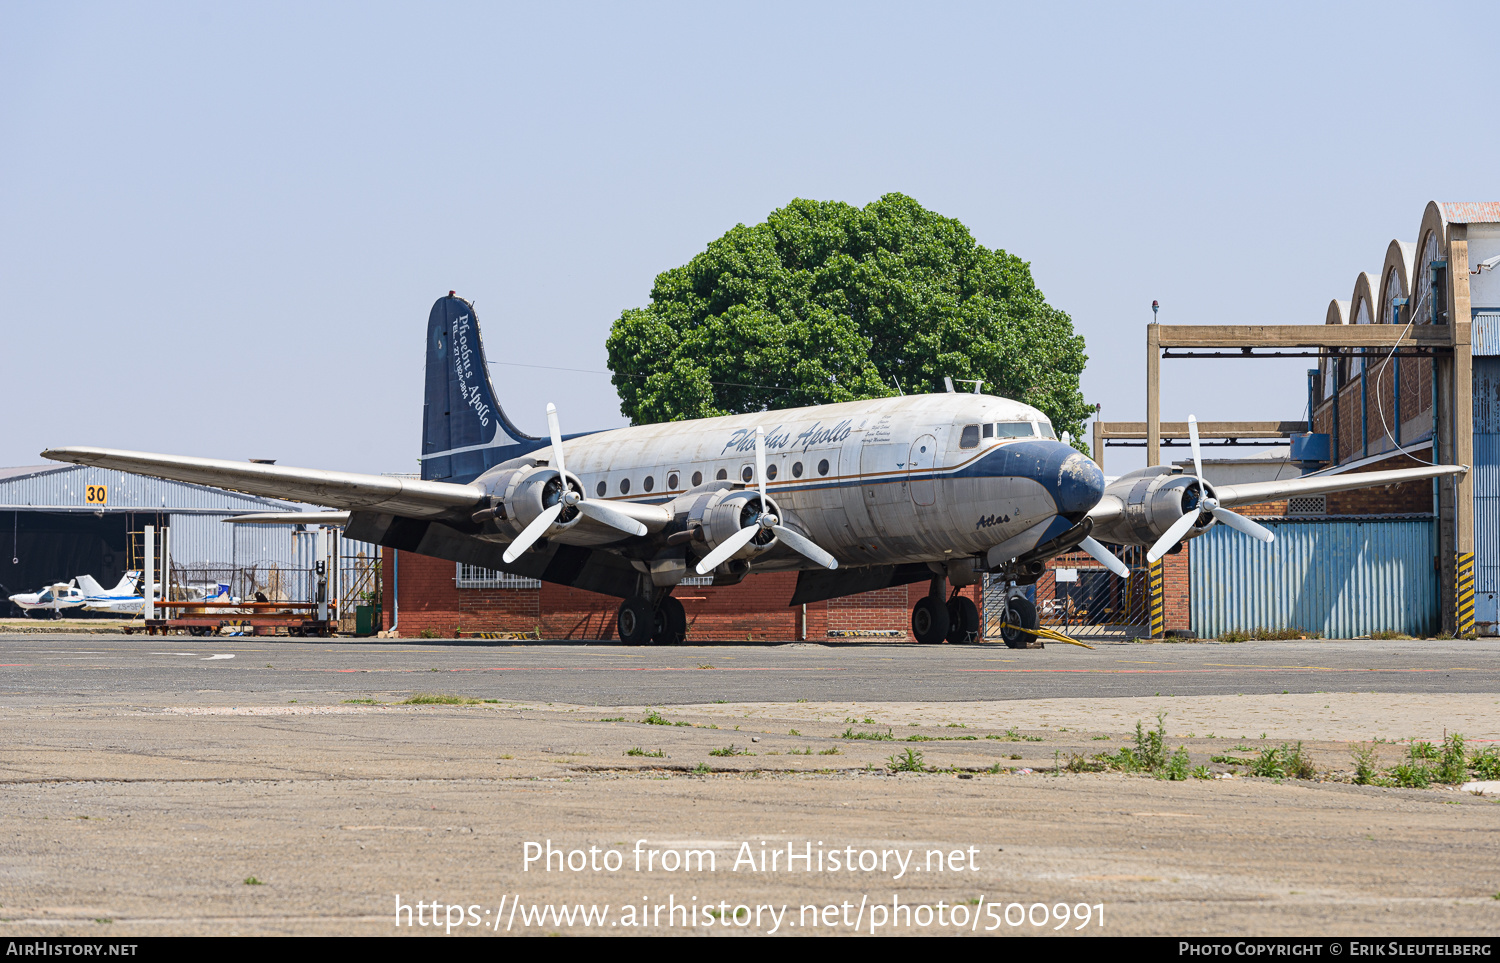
[224,224]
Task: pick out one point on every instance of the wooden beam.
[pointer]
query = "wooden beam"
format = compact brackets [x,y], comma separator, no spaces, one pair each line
[1153,394]
[1199,336]
[1206,429]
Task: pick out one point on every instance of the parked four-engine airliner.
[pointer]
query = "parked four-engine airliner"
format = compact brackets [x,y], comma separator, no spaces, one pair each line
[857,496]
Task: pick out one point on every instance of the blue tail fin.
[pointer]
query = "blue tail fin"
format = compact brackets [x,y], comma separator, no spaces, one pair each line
[464,432]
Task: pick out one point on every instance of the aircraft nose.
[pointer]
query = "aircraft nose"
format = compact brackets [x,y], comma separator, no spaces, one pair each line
[1079,484]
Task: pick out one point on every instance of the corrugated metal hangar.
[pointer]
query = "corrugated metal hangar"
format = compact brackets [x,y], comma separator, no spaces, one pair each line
[70,520]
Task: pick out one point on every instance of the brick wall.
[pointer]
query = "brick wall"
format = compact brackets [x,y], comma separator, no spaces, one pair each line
[754,610]
[1351,439]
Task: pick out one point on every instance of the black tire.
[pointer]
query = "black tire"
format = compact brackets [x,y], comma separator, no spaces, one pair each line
[636,621]
[963,620]
[671,622]
[929,621]
[1020,611]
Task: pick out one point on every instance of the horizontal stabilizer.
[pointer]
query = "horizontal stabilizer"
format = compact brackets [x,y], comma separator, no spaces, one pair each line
[339,489]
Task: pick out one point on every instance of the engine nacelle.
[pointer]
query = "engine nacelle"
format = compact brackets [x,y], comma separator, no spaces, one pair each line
[1154,498]
[725,512]
[522,494]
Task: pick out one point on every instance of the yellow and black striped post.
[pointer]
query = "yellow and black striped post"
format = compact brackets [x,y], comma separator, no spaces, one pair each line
[1464,623]
[1158,600]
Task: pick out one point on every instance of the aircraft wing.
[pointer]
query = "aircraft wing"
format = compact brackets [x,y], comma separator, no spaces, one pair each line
[290,518]
[1112,506]
[1250,493]
[338,489]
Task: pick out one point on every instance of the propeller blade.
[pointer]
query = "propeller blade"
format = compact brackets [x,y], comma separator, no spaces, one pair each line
[614,518]
[1172,536]
[760,465]
[1197,458]
[805,546]
[1242,524]
[534,531]
[1105,557]
[557,452]
[731,545]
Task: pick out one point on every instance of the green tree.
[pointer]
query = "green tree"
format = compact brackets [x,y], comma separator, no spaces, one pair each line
[826,302]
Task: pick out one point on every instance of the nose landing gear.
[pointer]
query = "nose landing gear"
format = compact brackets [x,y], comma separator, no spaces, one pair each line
[1020,612]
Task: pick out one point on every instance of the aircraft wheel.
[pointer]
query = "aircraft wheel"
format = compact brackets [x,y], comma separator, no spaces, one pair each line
[963,620]
[636,621]
[1019,611]
[671,622]
[929,621]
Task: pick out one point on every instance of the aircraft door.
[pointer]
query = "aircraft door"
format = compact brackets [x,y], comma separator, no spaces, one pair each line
[919,463]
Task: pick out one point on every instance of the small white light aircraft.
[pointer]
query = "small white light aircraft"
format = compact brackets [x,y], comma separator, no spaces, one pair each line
[57,598]
[858,496]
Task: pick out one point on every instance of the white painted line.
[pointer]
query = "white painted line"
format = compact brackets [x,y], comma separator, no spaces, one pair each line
[213,657]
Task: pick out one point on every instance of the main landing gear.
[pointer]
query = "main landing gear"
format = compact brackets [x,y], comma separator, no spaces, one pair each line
[934,620]
[640,621]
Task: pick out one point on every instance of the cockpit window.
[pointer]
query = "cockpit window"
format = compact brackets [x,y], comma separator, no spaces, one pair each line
[970,437]
[1044,428]
[1014,429]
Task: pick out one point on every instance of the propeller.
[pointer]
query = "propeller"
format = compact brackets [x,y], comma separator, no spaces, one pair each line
[1105,557]
[567,498]
[763,522]
[1206,505]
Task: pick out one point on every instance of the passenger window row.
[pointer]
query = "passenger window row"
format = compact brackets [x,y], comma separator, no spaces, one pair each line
[747,474]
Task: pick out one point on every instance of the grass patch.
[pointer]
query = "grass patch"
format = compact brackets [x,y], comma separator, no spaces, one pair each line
[361,702]
[438,699]
[614,719]
[1149,754]
[885,736]
[830,751]
[921,738]
[807,751]
[701,769]
[1486,764]
[793,732]
[654,718]
[730,750]
[252,881]
[1451,767]
[1012,735]
[638,751]
[1366,764]
[1081,763]
[910,761]
[1282,762]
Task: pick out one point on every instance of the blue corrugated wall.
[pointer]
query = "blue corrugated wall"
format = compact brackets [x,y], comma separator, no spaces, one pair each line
[1339,578]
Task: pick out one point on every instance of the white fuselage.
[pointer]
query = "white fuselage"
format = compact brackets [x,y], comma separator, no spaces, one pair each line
[872,482]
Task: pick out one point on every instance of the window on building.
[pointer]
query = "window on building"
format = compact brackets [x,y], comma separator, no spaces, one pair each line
[474,577]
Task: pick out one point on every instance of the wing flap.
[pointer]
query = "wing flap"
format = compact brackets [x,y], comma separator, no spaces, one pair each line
[336,489]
